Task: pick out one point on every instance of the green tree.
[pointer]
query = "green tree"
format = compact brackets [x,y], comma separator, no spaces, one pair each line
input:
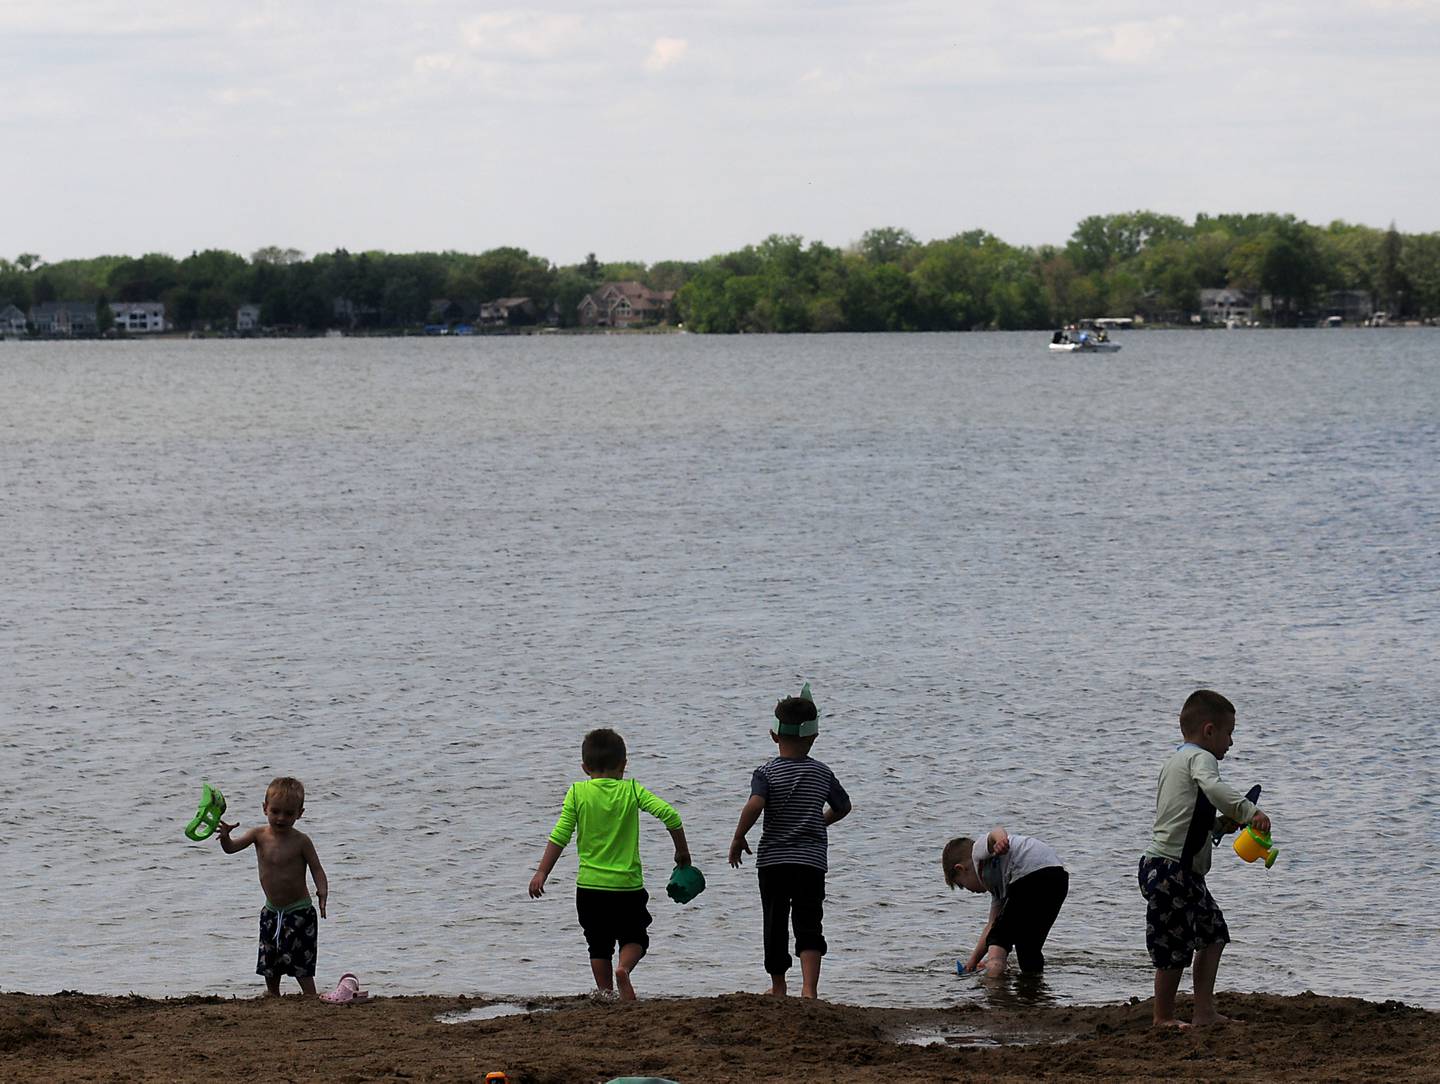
[145,278]
[503,272]
[1420,265]
[1283,262]
[1390,285]
[104,316]
[276,256]
[887,245]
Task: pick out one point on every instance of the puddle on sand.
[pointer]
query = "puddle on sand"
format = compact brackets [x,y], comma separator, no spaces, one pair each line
[949,1036]
[487,1012]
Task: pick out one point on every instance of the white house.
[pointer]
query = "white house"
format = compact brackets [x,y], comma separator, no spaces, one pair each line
[247,318]
[138,317]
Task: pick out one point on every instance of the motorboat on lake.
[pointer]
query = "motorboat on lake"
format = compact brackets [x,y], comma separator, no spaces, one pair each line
[1083,340]
[1070,341]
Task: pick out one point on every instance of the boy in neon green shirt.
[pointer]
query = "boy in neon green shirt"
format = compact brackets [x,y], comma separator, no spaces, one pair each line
[610,897]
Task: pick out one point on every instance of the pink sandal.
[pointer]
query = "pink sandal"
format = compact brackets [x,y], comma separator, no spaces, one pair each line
[346,991]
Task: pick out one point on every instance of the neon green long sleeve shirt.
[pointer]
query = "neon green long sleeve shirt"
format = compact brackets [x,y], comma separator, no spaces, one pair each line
[605,814]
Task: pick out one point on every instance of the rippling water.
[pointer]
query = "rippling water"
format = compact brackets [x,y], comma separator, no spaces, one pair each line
[415,572]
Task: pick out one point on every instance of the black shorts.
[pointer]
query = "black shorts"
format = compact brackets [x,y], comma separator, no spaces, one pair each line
[1180,914]
[610,918]
[1031,906]
[287,942]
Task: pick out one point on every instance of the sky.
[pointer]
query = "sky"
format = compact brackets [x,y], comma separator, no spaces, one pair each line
[679,130]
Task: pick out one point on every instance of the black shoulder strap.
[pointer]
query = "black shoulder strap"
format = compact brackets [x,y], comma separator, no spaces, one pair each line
[1202,822]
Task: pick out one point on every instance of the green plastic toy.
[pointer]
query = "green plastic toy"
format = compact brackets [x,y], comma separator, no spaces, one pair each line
[686,882]
[1252,845]
[207,817]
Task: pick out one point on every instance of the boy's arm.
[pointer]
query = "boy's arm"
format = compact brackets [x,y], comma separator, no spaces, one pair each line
[837,803]
[748,816]
[657,807]
[322,883]
[979,953]
[1228,801]
[555,845]
[552,854]
[230,846]
[665,813]
[998,841]
[682,849]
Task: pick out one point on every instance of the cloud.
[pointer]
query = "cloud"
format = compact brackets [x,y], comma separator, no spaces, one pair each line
[240,95]
[1140,42]
[665,52]
[524,34]
[430,63]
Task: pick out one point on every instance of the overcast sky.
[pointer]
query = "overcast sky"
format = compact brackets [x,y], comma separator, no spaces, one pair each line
[679,130]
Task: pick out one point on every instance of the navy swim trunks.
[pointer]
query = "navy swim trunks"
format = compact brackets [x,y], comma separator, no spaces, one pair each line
[1180,914]
[287,940]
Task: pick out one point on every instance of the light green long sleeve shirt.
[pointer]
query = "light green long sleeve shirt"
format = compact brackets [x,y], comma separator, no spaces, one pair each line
[1187,772]
[605,814]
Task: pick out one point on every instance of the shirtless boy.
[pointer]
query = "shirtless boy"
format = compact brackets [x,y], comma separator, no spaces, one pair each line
[288,926]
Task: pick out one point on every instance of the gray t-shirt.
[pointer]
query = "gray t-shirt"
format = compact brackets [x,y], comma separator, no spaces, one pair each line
[1026,855]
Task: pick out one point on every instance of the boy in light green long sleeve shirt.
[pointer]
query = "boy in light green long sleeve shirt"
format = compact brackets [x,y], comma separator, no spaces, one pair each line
[610,897]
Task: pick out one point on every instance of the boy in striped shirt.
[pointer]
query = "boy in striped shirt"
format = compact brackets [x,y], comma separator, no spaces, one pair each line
[800,798]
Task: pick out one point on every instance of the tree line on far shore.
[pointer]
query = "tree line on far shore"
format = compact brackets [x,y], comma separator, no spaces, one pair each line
[1137,264]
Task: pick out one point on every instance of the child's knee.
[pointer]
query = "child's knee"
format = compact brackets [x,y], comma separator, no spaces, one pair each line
[994,961]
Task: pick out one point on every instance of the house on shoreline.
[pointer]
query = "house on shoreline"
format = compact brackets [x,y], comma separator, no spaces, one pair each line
[12,323]
[65,319]
[139,317]
[624,304]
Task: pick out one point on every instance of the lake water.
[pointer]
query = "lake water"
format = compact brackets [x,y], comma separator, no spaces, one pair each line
[415,572]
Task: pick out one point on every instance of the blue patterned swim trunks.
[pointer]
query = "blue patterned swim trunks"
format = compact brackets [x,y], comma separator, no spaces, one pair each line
[288,936]
[1180,914]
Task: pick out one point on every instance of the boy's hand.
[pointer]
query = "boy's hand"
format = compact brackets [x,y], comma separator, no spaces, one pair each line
[1002,842]
[226,829]
[537,886]
[320,898]
[682,858]
[738,845]
[1260,822]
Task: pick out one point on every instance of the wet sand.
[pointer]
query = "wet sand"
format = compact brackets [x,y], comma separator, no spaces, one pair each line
[79,1037]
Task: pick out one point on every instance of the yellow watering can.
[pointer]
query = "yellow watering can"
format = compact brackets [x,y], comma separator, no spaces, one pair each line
[1251,845]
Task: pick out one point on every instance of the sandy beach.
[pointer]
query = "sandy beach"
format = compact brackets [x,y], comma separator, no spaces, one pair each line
[81,1037]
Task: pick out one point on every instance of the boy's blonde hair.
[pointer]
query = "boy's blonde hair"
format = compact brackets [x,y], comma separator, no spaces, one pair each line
[957,852]
[285,786]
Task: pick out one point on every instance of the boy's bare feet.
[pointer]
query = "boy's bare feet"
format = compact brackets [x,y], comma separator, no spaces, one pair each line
[778,987]
[622,983]
[1205,1021]
[1179,1025]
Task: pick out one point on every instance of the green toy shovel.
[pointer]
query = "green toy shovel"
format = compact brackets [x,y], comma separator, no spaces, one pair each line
[207,817]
